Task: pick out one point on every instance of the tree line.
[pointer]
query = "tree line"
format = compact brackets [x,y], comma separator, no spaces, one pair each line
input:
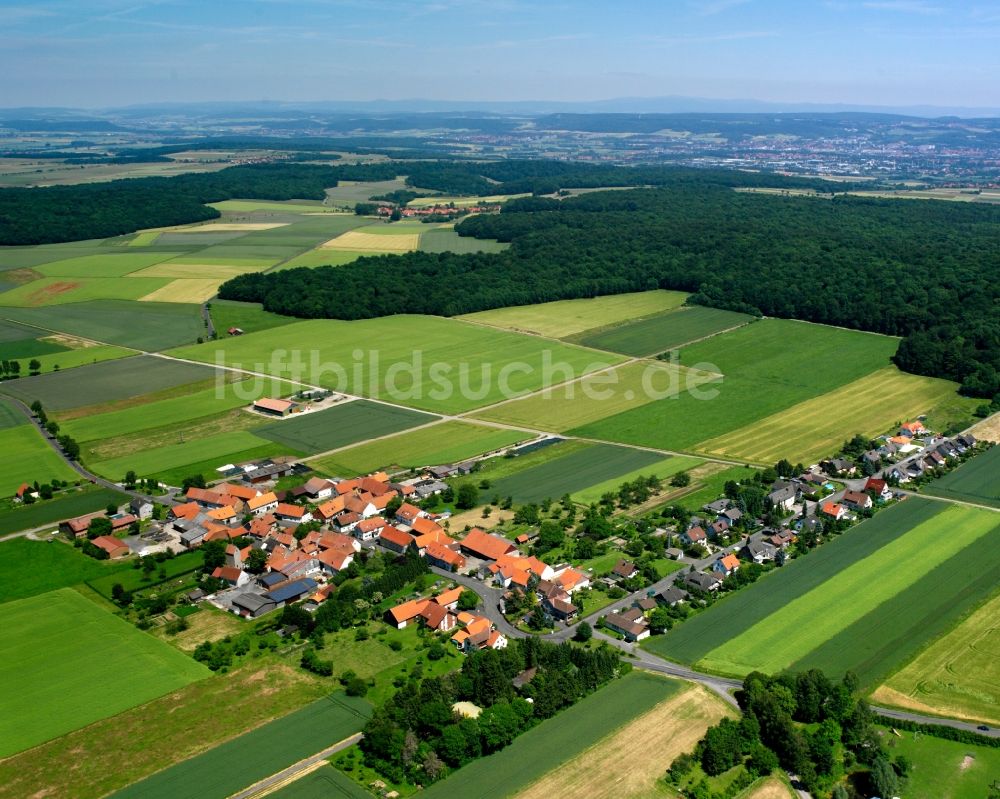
[923,270]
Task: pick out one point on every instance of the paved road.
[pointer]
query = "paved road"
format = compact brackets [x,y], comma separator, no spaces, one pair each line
[292,773]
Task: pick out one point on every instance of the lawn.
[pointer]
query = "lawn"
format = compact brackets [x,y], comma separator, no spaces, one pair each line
[448,442]
[597,396]
[145,326]
[806,432]
[64,290]
[769,366]
[555,740]
[106,265]
[323,783]
[69,663]
[569,317]
[664,469]
[574,471]
[27,457]
[426,362]
[133,579]
[107,381]
[247,316]
[664,331]
[896,581]
[945,769]
[974,481]
[29,568]
[341,425]
[447,240]
[243,761]
[220,449]
[670,729]
[958,675]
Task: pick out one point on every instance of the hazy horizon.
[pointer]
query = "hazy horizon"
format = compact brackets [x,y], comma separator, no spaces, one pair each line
[874,53]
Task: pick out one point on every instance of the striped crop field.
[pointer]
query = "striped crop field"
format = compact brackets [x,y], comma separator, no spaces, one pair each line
[664,331]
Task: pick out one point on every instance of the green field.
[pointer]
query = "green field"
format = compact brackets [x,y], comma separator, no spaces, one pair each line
[896,581]
[664,331]
[145,326]
[27,457]
[597,396]
[448,442]
[974,481]
[69,663]
[945,769]
[134,580]
[248,316]
[958,675]
[10,416]
[28,348]
[71,358]
[29,568]
[51,291]
[323,257]
[107,265]
[243,761]
[324,783]
[569,317]
[663,469]
[55,510]
[556,740]
[343,424]
[107,381]
[218,449]
[769,366]
[290,207]
[805,432]
[447,240]
[711,487]
[572,472]
[425,362]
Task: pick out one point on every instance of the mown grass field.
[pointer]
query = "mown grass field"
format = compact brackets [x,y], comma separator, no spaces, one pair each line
[556,740]
[946,769]
[569,317]
[10,416]
[65,506]
[443,443]
[29,568]
[239,763]
[196,290]
[369,242]
[196,271]
[341,425]
[768,366]
[247,316]
[107,381]
[574,471]
[958,675]
[663,469]
[670,729]
[144,326]
[81,356]
[133,579]
[897,582]
[27,457]
[872,405]
[70,662]
[597,396]
[974,481]
[455,366]
[664,331]
[106,265]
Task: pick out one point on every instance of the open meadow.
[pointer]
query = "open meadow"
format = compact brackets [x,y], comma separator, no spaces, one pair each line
[65,290]
[556,740]
[70,662]
[664,469]
[897,581]
[243,761]
[105,265]
[942,769]
[247,316]
[804,433]
[429,363]
[448,442]
[671,728]
[956,676]
[664,331]
[768,366]
[570,317]
[976,481]
[443,239]
[28,457]
[29,568]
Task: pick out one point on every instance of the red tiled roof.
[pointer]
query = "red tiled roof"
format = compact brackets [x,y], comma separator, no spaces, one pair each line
[485,545]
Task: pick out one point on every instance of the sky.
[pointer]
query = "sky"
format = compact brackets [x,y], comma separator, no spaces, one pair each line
[101,53]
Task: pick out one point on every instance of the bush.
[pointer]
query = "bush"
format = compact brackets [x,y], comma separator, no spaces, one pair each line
[356,687]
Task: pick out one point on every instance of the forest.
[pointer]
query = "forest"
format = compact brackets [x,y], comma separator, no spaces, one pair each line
[924,270]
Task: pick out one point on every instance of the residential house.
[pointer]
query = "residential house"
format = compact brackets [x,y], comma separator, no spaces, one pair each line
[346,522]
[717,507]
[317,488]
[205,497]
[671,596]
[439,555]
[570,579]
[283,511]
[857,500]
[369,529]
[758,549]
[407,514]
[912,429]
[482,545]
[694,535]
[626,625]
[115,547]
[625,570]
[878,487]
[839,467]
[703,581]
[141,508]
[726,565]
[231,575]
[394,540]
[834,509]
[782,497]
[264,503]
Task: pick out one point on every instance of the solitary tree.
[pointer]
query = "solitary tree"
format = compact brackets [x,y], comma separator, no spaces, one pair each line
[468,496]
[584,632]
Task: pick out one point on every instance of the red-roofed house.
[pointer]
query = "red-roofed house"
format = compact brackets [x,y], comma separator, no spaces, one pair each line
[205,497]
[878,487]
[483,545]
[857,500]
[186,511]
[265,503]
[232,575]
[241,492]
[115,547]
[726,565]
[394,540]
[408,513]
[444,558]
[368,529]
[274,407]
[424,526]
[834,509]
[292,513]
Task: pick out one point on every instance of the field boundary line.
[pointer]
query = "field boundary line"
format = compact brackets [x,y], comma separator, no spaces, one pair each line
[296,770]
[950,500]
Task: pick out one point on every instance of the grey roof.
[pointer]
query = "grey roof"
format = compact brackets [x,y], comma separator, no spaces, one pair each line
[252,602]
[702,580]
[672,594]
[292,590]
[271,579]
[782,494]
[716,507]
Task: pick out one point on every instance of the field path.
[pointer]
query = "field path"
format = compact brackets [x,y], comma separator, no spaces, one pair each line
[294,772]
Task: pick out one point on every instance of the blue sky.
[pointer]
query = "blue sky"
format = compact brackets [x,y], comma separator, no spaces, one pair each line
[886,52]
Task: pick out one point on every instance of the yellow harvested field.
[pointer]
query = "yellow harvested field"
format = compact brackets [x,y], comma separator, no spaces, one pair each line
[233,227]
[988,429]
[869,406]
[771,788]
[957,675]
[185,290]
[370,242]
[196,271]
[669,729]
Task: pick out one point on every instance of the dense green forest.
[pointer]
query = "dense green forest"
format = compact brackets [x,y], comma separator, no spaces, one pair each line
[924,270]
